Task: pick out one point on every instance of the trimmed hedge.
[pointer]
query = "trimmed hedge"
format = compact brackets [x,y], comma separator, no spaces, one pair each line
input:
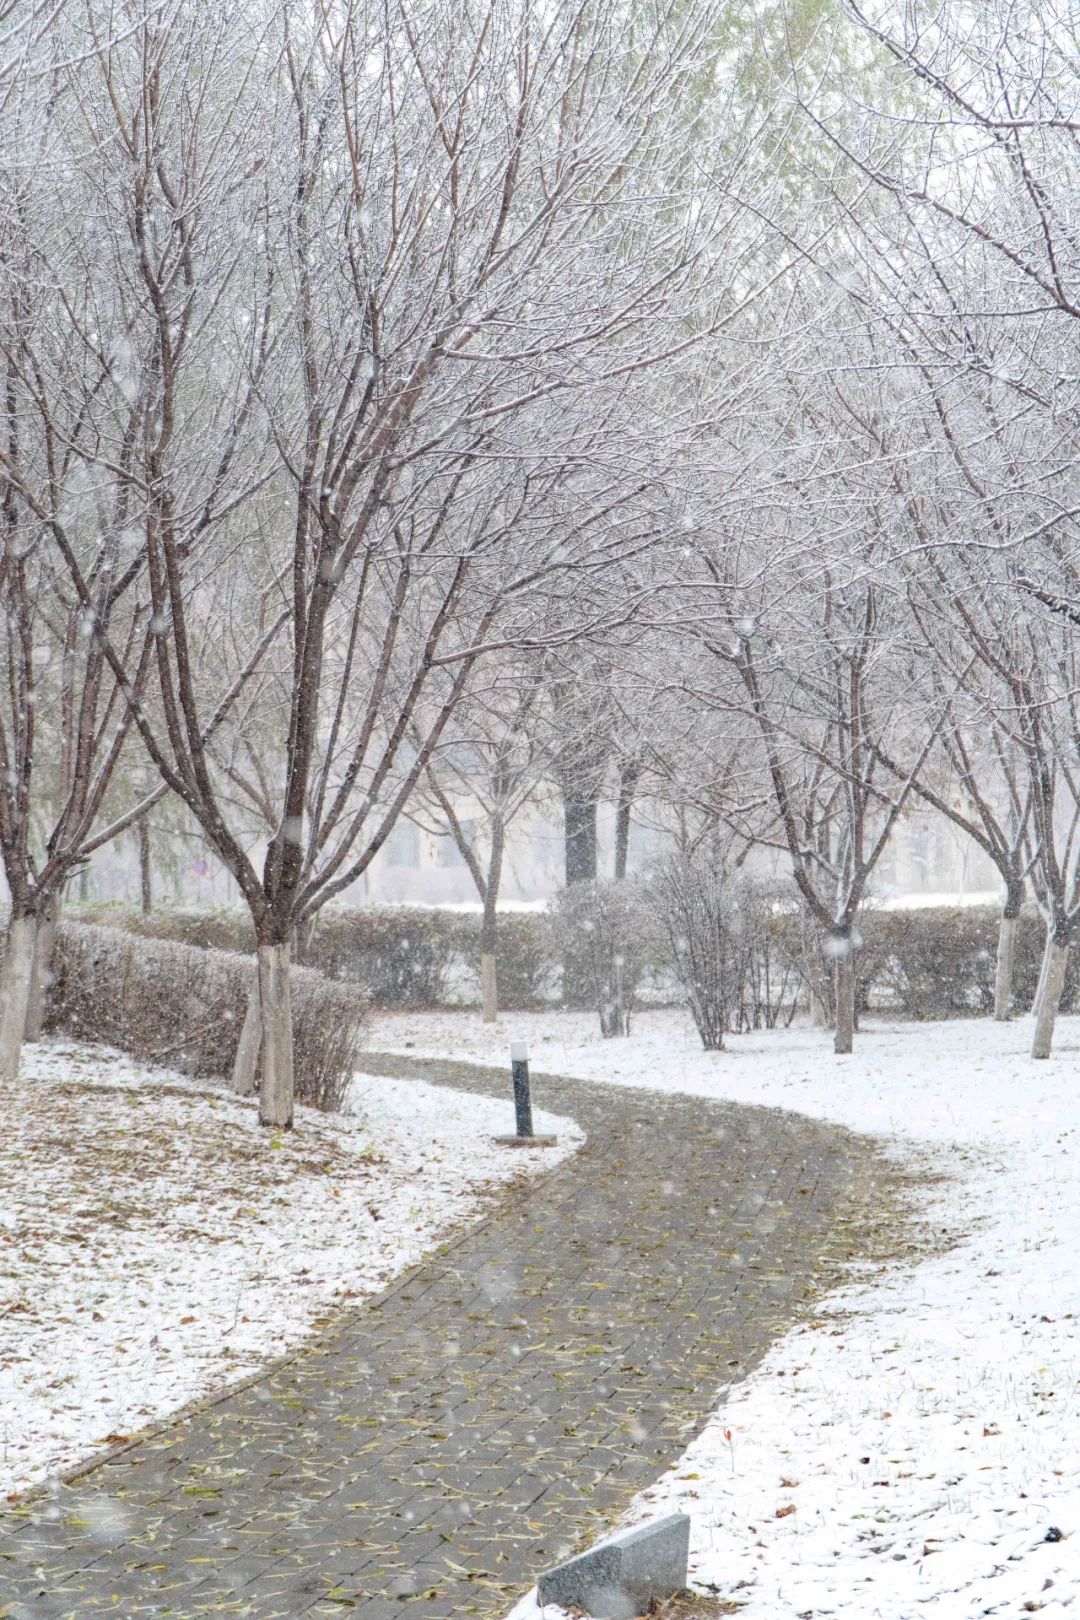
[941,962]
[407,956]
[924,964]
[182,1005]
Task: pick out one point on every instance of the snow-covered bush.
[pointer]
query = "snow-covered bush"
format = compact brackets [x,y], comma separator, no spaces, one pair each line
[183,1006]
[406,957]
[925,964]
[220,928]
[606,926]
[940,963]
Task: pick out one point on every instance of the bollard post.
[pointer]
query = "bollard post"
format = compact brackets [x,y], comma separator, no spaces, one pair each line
[525,1136]
[519,1068]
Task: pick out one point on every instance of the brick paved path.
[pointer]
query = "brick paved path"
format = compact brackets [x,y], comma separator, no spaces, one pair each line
[497,1406]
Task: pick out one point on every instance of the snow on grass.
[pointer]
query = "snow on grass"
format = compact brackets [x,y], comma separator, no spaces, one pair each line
[916,1448]
[156,1243]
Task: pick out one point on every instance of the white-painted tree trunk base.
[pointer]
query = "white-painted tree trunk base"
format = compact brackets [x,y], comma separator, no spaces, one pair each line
[246,1061]
[42,973]
[1044,966]
[1003,980]
[15,992]
[276,1091]
[1051,997]
[489,986]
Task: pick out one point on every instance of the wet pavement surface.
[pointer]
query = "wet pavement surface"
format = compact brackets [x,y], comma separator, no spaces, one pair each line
[497,1407]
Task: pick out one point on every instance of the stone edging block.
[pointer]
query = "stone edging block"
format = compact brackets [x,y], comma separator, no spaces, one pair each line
[619,1579]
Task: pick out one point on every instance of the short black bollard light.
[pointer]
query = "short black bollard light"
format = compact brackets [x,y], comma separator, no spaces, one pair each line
[519,1068]
[526,1136]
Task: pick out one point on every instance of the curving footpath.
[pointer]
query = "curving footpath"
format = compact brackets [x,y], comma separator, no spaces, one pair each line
[498,1406]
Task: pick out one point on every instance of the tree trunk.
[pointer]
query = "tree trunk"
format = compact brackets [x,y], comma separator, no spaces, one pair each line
[579,824]
[845,1003]
[276,1091]
[1046,1017]
[146,889]
[817,979]
[489,925]
[821,1003]
[1044,968]
[489,988]
[579,820]
[246,1061]
[610,1019]
[628,780]
[42,975]
[1006,958]
[15,979]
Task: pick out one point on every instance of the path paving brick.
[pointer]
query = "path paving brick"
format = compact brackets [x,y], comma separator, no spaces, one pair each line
[495,1409]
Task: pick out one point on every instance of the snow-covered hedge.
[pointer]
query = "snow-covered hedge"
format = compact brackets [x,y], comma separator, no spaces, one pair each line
[940,963]
[926,964]
[182,1005]
[406,956]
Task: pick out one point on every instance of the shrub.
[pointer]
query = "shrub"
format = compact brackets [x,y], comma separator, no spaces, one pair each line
[941,962]
[221,929]
[771,990]
[929,964]
[528,958]
[728,946]
[606,924]
[921,964]
[406,956]
[699,904]
[182,1005]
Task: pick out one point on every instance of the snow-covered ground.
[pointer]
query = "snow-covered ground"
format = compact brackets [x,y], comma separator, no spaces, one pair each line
[155,1244]
[916,1449]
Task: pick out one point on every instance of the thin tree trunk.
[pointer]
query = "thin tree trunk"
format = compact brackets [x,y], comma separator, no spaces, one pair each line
[1051,999]
[819,995]
[1044,967]
[42,974]
[489,987]
[579,824]
[489,926]
[276,1091]
[579,820]
[628,780]
[146,888]
[845,1003]
[489,978]
[1006,960]
[15,979]
[246,1061]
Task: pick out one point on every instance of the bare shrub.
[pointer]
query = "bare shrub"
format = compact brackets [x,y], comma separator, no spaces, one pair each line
[164,1002]
[699,904]
[770,994]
